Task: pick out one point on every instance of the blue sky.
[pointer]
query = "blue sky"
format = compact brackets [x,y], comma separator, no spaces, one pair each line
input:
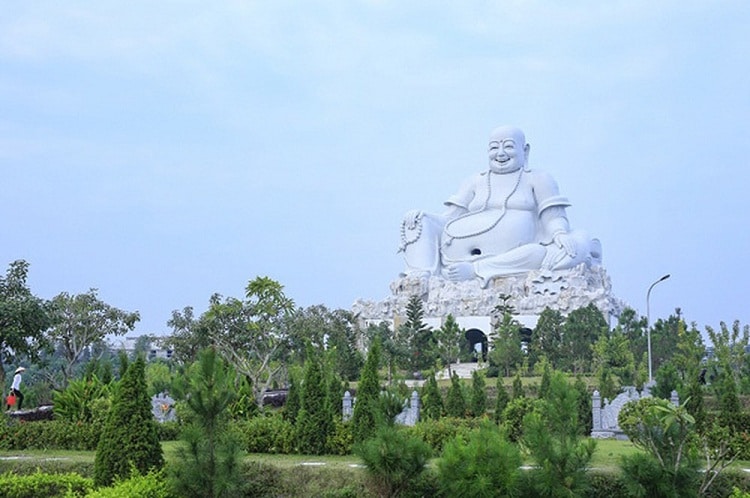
[165,151]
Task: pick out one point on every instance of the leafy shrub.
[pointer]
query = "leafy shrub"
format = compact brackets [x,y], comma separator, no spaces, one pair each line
[169,431]
[393,459]
[76,403]
[485,465]
[341,440]
[151,485]
[49,435]
[513,415]
[42,484]
[437,433]
[267,434]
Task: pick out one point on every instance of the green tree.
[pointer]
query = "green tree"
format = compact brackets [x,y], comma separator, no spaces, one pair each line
[23,318]
[250,333]
[517,390]
[208,463]
[82,320]
[130,437]
[613,356]
[633,328]
[455,400]
[664,432]
[366,408]
[332,330]
[552,435]
[189,336]
[422,345]
[502,399]
[393,459]
[664,338]
[449,338]
[485,465]
[293,401]
[432,400]
[546,378]
[393,347]
[585,417]
[313,424]
[478,399]
[506,351]
[581,330]
[547,338]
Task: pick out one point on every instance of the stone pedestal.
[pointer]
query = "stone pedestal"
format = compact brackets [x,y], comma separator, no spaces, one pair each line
[529,294]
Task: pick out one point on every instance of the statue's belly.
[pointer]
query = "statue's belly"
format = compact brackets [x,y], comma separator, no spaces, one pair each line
[481,234]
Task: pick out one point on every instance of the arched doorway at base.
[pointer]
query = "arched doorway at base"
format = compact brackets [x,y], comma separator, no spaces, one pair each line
[477,341]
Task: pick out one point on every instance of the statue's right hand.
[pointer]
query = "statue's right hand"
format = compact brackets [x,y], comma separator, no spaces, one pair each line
[412,218]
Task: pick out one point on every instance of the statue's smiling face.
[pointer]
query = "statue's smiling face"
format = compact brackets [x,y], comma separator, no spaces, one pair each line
[506,155]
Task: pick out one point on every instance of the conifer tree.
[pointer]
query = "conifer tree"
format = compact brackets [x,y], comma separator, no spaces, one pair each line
[313,424]
[432,400]
[448,339]
[585,417]
[518,390]
[419,336]
[209,459]
[455,402]
[544,384]
[366,407]
[130,437]
[502,400]
[478,394]
[292,404]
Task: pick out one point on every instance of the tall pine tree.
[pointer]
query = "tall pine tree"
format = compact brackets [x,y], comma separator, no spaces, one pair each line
[130,437]
[367,404]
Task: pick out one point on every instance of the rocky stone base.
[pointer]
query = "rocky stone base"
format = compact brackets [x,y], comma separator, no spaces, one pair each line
[528,294]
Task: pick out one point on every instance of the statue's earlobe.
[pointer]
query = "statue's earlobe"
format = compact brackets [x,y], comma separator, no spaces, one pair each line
[526,149]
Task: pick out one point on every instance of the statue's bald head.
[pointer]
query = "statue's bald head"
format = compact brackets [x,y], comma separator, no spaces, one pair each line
[504,132]
[508,150]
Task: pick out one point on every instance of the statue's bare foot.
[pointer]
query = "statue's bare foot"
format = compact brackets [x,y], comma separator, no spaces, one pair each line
[460,271]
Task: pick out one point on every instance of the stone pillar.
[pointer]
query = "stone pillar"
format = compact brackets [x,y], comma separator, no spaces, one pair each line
[414,404]
[596,411]
[674,398]
[348,403]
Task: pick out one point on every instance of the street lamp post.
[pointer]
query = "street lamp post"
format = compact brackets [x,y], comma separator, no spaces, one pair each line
[648,327]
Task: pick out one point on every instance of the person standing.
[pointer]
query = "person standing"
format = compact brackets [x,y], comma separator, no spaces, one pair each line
[15,388]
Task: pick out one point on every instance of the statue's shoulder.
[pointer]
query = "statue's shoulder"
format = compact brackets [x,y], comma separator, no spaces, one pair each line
[540,177]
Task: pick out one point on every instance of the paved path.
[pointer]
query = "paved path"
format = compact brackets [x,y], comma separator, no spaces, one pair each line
[464,371]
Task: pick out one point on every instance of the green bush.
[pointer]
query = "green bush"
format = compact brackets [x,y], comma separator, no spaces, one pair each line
[83,400]
[41,484]
[169,431]
[341,441]
[151,485]
[267,434]
[130,436]
[437,433]
[485,465]
[393,459]
[49,435]
[513,415]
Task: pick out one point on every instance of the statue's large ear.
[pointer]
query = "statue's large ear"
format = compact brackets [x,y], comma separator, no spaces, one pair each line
[526,149]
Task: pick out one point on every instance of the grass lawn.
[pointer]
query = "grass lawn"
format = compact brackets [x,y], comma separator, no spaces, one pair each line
[606,457]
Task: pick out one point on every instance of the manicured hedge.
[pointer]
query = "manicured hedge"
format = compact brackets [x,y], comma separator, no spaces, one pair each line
[49,435]
[40,484]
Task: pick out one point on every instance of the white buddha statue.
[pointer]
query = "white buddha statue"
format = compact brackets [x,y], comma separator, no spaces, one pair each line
[505,220]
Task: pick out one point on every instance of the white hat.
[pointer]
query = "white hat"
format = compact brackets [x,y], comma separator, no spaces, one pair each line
[20,369]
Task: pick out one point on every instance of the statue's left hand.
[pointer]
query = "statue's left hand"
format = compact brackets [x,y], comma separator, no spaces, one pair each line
[563,246]
[566,243]
[460,271]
